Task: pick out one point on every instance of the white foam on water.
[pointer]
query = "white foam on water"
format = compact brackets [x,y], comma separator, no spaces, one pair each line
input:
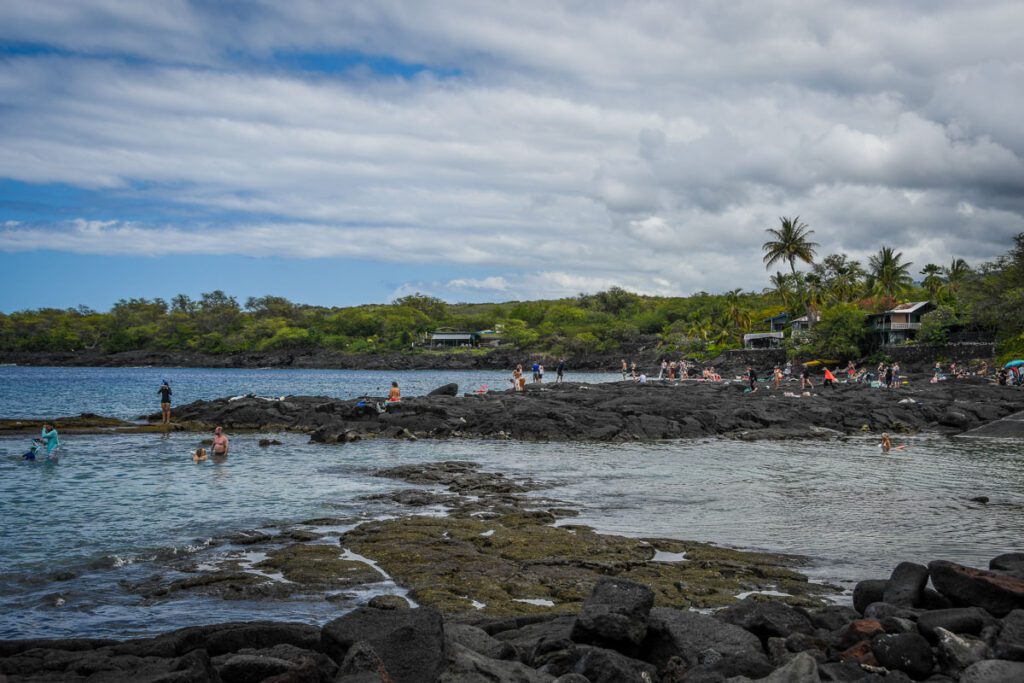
[772,593]
[488,533]
[540,602]
[665,556]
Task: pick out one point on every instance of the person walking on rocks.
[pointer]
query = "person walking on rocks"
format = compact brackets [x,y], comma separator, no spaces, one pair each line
[805,377]
[560,371]
[830,379]
[165,402]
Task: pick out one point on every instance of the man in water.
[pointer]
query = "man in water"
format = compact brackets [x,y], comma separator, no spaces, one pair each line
[165,401]
[50,438]
[220,443]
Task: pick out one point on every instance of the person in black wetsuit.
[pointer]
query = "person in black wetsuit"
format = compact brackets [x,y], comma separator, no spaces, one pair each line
[165,402]
[752,378]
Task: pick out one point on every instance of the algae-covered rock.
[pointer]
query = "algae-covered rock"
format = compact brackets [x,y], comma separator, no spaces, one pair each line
[318,565]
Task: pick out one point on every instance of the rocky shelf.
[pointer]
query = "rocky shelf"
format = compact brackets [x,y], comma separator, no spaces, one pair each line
[622,412]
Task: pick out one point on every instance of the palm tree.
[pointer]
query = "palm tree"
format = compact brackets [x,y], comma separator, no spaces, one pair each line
[782,285]
[932,279]
[736,313]
[956,273]
[790,244]
[889,276]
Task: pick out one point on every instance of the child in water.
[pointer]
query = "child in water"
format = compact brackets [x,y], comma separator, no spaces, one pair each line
[887,446]
[199,454]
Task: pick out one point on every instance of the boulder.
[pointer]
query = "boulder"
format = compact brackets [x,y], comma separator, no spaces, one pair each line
[833,617]
[446,390]
[409,642]
[881,610]
[673,633]
[855,632]
[956,620]
[906,585]
[615,613]
[362,664]
[599,665]
[478,641]
[315,666]
[906,652]
[1011,563]
[1010,644]
[243,668]
[995,592]
[766,619]
[867,592]
[842,672]
[956,652]
[466,666]
[388,602]
[993,671]
[801,669]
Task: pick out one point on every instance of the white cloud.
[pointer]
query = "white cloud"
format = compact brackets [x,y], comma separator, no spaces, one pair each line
[576,146]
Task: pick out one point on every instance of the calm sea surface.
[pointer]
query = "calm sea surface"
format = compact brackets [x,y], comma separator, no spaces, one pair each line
[119,509]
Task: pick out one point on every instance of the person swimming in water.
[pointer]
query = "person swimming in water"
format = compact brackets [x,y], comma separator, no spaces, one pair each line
[199,454]
[221,445]
[887,446]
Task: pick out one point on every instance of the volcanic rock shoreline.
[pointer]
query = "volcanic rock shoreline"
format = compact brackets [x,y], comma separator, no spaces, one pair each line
[621,615]
[618,412]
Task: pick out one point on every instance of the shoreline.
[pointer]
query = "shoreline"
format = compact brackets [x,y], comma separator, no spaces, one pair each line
[529,601]
[604,412]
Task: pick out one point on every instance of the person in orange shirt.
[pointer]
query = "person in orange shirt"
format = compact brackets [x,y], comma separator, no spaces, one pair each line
[830,379]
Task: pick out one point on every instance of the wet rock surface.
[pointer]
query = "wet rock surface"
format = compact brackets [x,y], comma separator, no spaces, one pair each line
[422,644]
[620,412]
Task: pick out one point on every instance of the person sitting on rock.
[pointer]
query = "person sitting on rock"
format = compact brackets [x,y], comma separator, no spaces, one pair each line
[394,397]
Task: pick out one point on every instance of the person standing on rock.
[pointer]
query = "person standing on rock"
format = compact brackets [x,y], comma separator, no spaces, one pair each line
[888,376]
[632,370]
[536,372]
[851,371]
[625,369]
[540,373]
[777,376]
[560,371]
[663,372]
[752,378]
[165,402]
[221,445]
[830,379]
[805,377]
[896,375]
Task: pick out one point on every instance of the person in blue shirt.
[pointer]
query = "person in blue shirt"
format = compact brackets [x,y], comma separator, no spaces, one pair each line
[50,438]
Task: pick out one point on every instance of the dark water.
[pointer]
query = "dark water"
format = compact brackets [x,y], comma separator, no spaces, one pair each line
[123,508]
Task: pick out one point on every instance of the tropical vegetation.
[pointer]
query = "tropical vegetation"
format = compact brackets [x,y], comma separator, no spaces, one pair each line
[836,292]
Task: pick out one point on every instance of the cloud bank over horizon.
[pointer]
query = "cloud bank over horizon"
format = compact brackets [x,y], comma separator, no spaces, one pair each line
[536,150]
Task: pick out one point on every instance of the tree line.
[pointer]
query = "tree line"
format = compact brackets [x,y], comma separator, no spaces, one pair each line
[835,290]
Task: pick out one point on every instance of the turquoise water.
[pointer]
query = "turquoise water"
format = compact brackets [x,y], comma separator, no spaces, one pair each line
[120,509]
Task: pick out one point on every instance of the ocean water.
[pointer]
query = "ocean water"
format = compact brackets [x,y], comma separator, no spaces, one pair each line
[118,510]
[128,393]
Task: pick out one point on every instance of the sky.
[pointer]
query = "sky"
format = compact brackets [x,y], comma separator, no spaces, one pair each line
[340,153]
